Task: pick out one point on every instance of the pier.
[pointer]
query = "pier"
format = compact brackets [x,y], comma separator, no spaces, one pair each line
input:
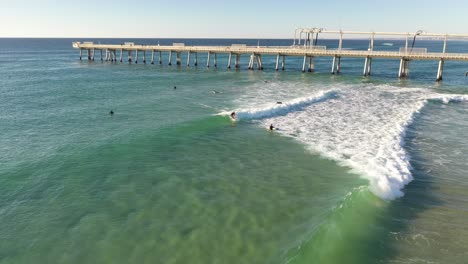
[304,45]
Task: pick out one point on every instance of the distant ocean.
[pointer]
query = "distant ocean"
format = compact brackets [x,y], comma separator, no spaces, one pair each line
[361,169]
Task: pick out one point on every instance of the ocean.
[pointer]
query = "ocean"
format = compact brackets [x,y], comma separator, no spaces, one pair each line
[360,169]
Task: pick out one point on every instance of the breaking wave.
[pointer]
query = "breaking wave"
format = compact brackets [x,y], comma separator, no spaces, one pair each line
[362,127]
[283,108]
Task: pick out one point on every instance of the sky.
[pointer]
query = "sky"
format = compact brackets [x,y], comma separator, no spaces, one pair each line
[224,18]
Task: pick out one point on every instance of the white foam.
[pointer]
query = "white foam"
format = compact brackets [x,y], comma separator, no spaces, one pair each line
[446,98]
[362,127]
[276,109]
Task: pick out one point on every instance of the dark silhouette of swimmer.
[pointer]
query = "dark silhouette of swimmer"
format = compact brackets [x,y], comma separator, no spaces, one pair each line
[233,115]
[175,87]
[279,102]
[466,73]
[111,112]
[272,127]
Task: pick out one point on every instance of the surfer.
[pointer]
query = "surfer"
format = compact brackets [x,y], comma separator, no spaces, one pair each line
[279,102]
[272,127]
[175,87]
[111,112]
[233,115]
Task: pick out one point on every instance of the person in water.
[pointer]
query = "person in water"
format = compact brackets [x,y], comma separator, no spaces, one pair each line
[272,127]
[233,115]
[111,112]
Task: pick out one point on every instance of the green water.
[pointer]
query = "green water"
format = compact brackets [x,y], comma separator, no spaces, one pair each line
[209,191]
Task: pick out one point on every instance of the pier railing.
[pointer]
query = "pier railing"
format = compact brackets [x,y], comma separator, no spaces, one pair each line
[405,50]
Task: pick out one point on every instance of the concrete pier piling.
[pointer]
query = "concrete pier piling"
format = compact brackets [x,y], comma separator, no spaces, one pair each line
[229,60]
[336,65]
[259,62]
[277,62]
[311,64]
[251,62]
[255,59]
[367,66]
[178,60]
[440,70]
[333,65]
[403,72]
[304,63]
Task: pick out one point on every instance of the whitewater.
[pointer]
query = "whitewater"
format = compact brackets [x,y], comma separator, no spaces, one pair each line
[360,126]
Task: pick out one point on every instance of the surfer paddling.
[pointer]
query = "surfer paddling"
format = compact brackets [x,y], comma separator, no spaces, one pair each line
[233,115]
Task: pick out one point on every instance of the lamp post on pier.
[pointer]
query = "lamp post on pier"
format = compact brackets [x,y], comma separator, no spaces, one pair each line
[295,34]
[317,31]
[310,38]
[417,33]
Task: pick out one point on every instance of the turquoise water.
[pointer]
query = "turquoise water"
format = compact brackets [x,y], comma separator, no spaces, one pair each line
[361,170]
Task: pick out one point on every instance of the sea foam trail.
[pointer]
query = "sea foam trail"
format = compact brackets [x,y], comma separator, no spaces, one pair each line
[361,127]
[281,108]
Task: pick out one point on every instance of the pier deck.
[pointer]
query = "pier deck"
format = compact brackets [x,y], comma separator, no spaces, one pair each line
[286,51]
[308,51]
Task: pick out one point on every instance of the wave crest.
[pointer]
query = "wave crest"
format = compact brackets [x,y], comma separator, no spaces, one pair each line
[283,108]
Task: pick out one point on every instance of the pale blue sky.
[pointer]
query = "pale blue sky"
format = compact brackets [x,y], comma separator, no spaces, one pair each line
[224,19]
